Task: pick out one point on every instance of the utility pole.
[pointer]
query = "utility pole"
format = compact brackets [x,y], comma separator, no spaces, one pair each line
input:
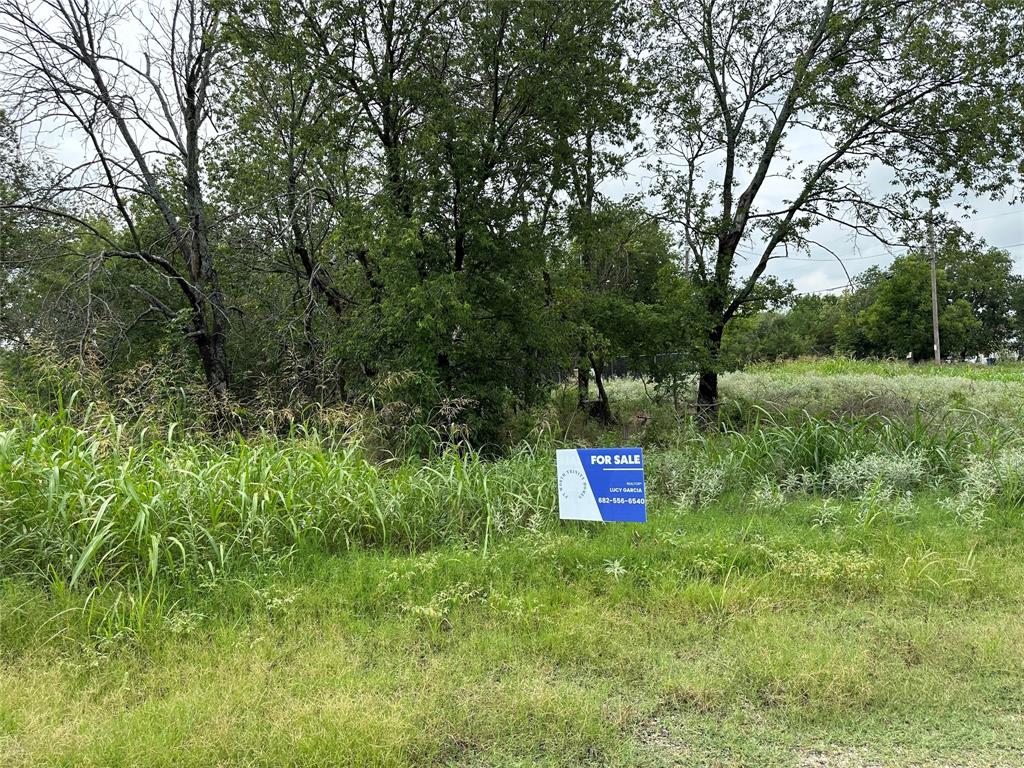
[935,292]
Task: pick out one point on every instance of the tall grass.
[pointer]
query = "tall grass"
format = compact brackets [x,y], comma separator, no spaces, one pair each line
[105,504]
[844,388]
[835,366]
[90,502]
[775,447]
[776,455]
[92,507]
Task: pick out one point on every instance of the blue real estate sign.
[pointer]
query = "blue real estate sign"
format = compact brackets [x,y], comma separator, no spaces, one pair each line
[603,484]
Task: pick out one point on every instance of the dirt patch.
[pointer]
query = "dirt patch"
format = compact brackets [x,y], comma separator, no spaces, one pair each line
[857,757]
[659,746]
[839,758]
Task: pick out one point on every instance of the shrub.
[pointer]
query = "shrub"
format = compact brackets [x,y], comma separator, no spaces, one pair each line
[689,479]
[884,472]
[990,482]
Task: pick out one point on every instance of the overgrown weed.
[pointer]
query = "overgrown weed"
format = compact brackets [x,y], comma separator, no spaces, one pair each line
[123,520]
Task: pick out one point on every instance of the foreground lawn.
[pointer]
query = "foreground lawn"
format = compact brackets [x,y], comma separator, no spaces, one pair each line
[721,637]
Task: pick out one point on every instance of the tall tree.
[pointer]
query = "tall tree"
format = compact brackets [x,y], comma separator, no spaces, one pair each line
[15,239]
[897,321]
[602,119]
[292,162]
[983,277]
[426,152]
[625,273]
[818,93]
[142,107]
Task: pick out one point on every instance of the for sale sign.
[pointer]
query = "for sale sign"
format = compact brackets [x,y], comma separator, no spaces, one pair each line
[603,484]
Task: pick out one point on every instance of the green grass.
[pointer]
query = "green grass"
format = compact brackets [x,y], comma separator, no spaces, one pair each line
[814,588]
[1004,371]
[720,637]
[983,398]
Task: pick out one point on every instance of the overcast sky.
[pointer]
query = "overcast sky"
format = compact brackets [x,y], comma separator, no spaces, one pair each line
[997,221]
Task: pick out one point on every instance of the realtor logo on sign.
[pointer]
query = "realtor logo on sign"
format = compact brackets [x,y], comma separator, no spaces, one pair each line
[603,484]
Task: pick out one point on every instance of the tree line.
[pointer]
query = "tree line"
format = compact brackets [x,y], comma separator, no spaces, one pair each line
[321,201]
[886,312]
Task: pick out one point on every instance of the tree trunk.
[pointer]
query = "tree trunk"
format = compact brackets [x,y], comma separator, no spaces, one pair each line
[707,392]
[213,355]
[582,384]
[707,382]
[602,409]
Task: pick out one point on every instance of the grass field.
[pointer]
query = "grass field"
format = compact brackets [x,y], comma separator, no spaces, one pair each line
[828,583]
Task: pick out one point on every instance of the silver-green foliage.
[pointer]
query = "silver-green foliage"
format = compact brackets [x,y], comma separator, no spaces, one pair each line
[690,479]
[865,392]
[989,482]
[884,472]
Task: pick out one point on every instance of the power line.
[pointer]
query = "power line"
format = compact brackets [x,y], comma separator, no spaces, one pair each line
[842,287]
[864,257]
[998,216]
[845,286]
[876,254]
